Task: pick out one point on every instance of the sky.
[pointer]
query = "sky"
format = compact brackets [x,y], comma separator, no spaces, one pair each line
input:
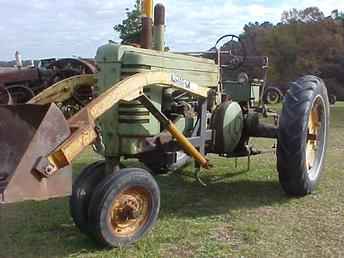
[66,28]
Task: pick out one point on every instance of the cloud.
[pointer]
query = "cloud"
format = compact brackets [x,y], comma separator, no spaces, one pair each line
[63,28]
[58,28]
[194,26]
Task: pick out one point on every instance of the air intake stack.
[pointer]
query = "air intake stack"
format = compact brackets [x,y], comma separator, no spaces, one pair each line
[153,37]
[159,27]
[147,25]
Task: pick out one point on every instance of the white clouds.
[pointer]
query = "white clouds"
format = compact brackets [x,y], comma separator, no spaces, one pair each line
[58,28]
[325,5]
[201,25]
[68,27]
[261,11]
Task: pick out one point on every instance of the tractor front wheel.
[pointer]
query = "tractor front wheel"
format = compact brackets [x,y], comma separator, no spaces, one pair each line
[303,133]
[83,189]
[124,207]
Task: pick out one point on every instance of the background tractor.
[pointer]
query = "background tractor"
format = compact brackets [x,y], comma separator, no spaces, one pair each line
[165,110]
[22,83]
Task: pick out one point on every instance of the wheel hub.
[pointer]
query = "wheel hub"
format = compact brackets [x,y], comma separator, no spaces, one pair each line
[273,97]
[130,211]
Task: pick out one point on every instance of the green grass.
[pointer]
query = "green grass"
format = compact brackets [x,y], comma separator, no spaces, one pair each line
[239,214]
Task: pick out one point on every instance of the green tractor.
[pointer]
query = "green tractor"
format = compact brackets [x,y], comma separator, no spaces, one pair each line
[165,110]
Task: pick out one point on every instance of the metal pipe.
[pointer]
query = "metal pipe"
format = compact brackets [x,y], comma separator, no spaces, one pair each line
[187,146]
[159,14]
[19,62]
[147,33]
[262,130]
[159,27]
[148,8]
[147,25]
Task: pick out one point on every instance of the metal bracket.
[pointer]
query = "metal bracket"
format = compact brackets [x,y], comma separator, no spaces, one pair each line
[185,144]
[202,132]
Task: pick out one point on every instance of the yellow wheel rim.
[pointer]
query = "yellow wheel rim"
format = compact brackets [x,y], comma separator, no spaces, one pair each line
[130,211]
[314,133]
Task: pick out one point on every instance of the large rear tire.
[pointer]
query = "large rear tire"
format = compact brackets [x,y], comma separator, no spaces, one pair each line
[124,207]
[83,188]
[303,133]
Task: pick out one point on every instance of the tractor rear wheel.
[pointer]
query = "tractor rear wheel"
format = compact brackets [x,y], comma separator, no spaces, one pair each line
[303,133]
[83,189]
[273,96]
[124,207]
[20,94]
[5,97]
[332,99]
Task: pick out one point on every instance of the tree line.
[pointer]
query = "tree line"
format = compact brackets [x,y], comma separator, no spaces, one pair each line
[304,42]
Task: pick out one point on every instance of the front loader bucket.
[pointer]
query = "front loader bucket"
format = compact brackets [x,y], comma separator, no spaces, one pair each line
[28,132]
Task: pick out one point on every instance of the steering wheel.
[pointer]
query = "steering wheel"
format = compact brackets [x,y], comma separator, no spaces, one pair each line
[229,58]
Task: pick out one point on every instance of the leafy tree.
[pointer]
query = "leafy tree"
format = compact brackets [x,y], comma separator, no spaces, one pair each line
[336,15]
[305,42]
[308,15]
[253,33]
[130,28]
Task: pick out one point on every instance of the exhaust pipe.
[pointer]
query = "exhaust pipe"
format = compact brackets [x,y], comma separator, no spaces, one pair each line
[147,25]
[159,27]
[19,62]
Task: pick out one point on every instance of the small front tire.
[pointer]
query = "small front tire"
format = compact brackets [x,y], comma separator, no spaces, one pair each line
[124,207]
[83,189]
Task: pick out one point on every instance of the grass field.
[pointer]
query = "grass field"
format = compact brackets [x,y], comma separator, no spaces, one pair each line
[239,214]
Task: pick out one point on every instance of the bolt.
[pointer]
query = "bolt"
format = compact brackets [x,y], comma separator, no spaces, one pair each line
[49,170]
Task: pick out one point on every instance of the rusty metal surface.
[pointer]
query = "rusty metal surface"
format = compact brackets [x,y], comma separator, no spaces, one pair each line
[82,65]
[26,82]
[28,132]
[147,33]
[20,83]
[159,15]
[67,88]
[19,75]
[5,97]
[7,69]
[20,93]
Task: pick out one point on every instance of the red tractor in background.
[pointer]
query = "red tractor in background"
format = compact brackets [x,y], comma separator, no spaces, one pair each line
[19,84]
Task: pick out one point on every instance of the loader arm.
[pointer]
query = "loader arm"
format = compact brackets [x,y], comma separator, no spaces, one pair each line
[63,90]
[82,124]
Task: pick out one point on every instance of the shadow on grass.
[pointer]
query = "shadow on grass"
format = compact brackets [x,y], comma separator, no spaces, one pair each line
[187,198]
[45,229]
[40,229]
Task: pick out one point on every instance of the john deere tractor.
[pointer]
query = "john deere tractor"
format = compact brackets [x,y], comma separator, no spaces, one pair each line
[165,110]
